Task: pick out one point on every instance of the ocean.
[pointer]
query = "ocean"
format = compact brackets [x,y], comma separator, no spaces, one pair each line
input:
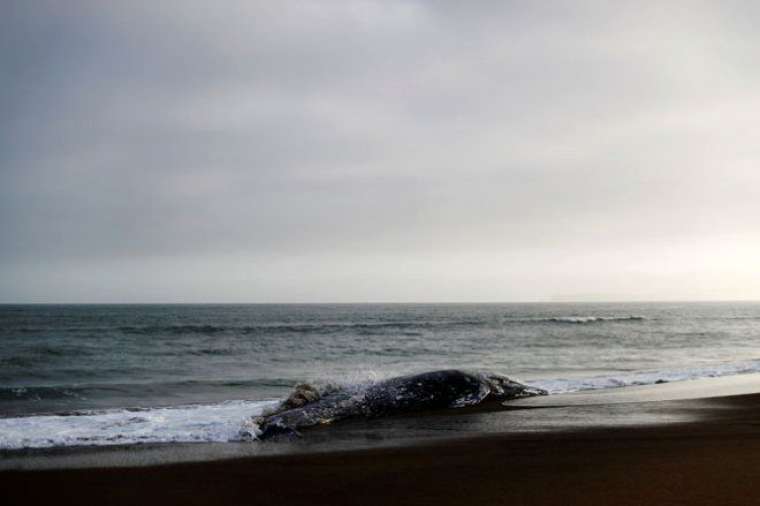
[81,375]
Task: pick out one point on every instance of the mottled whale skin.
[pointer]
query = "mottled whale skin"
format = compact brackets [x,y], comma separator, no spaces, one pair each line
[404,394]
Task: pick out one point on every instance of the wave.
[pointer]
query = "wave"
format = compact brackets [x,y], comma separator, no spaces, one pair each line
[264,328]
[591,319]
[184,424]
[317,328]
[135,389]
[38,393]
[369,327]
[39,354]
[366,328]
[563,385]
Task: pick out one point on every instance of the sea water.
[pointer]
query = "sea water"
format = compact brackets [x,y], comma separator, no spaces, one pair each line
[118,374]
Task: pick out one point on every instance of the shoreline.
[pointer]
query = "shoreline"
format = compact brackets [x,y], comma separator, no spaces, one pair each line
[690,451]
[625,407]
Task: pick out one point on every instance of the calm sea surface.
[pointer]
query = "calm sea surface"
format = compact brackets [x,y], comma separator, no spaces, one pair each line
[216,364]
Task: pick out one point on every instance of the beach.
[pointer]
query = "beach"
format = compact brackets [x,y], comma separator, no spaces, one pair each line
[141,404]
[662,444]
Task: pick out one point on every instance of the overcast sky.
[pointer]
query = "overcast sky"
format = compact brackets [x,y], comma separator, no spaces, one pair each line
[379,151]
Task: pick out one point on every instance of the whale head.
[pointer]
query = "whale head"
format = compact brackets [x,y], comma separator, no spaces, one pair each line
[503,388]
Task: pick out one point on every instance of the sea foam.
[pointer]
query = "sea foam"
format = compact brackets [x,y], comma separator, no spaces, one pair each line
[592,319]
[567,385]
[183,424]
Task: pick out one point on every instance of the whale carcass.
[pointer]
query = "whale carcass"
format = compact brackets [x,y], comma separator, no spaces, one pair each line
[307,406]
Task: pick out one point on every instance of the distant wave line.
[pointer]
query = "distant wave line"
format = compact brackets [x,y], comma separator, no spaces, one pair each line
[594,319]
[327,327]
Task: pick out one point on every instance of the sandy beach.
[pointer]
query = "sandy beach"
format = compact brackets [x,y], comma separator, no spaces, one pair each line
[690,450]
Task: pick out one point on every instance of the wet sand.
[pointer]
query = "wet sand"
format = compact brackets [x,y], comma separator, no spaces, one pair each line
[704,451]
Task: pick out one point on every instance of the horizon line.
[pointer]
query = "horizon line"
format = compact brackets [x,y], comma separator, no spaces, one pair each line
[230,303]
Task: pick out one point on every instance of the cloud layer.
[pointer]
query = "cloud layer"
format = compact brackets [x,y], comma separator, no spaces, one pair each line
[386,151]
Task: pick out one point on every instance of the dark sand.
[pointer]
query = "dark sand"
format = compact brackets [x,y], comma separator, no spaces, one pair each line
[709,454]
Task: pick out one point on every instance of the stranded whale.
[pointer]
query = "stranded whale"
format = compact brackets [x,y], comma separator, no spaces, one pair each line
[307,406]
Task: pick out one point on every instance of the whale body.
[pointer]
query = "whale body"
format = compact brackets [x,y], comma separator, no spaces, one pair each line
[307,407]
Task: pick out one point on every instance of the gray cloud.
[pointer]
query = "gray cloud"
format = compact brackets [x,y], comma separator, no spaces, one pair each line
[378,151]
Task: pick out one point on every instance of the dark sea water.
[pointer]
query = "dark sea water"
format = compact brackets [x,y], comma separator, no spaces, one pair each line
[105,374]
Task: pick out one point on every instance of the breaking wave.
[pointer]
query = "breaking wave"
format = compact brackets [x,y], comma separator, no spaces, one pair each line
[184,424]
[563,385]
[592,319]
